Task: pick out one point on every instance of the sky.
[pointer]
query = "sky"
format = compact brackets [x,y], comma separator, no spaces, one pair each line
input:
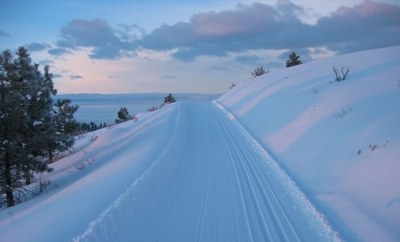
[121,46]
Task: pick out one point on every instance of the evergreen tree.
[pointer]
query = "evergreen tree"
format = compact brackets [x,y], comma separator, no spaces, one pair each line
[27,123]
[169,99]
[89,127]
[93,126]
[20,84]
[123,115]
[11,118]
[293,60]
[64,125]
[38,126]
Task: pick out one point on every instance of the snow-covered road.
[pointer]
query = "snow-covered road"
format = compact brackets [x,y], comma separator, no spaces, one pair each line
[212,182]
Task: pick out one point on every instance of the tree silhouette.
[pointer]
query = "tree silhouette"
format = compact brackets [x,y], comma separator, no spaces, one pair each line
[293,60]
[259,71]
[169,99]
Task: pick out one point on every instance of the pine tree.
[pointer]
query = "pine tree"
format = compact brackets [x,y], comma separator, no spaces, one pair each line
[64,127]
[293,60]
[18,157]
[123,115]
[40,127]
[10,115]
[27,123]
[169,99]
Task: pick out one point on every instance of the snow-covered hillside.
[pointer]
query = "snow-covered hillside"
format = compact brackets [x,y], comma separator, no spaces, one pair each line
[288,156]
[339,141]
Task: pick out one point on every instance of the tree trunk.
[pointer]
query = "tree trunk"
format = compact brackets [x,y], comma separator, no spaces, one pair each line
[50,156]
[28,178]
[8,180]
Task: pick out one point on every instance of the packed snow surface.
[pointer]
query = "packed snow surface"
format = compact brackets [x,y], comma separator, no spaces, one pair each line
[288,156]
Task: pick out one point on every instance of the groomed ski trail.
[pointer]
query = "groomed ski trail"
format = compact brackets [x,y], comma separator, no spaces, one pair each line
[212,182]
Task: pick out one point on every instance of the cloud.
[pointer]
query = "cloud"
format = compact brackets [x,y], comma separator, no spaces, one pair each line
[220,67]
[215,33]
[58,51]
[365,26]
[130,32]
[4,33]
[105,41]
[168,77]
[75,77]
[87,33]
[259,26]
[248,27]
[249,59]
[56,75]
[46,62]
[37,46]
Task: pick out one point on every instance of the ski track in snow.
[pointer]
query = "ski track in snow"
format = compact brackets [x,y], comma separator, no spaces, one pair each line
[212,182]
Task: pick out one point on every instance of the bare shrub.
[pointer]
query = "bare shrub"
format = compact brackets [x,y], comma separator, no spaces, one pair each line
[342,74]
[152,109]
[259,71]
[25,193]
[93,138]
[373,147]
[345,111]
[42,183]
[86,161]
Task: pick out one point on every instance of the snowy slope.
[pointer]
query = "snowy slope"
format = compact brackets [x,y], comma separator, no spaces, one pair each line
[114,160]
[340,141]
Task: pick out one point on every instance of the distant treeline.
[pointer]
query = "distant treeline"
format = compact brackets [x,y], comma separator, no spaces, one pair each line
[92,126]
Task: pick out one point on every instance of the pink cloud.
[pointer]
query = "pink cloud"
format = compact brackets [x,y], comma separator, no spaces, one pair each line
[367,9]
[244,19]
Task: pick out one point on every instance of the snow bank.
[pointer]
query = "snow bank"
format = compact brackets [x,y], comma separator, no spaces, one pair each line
[113,159]
[340,141]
